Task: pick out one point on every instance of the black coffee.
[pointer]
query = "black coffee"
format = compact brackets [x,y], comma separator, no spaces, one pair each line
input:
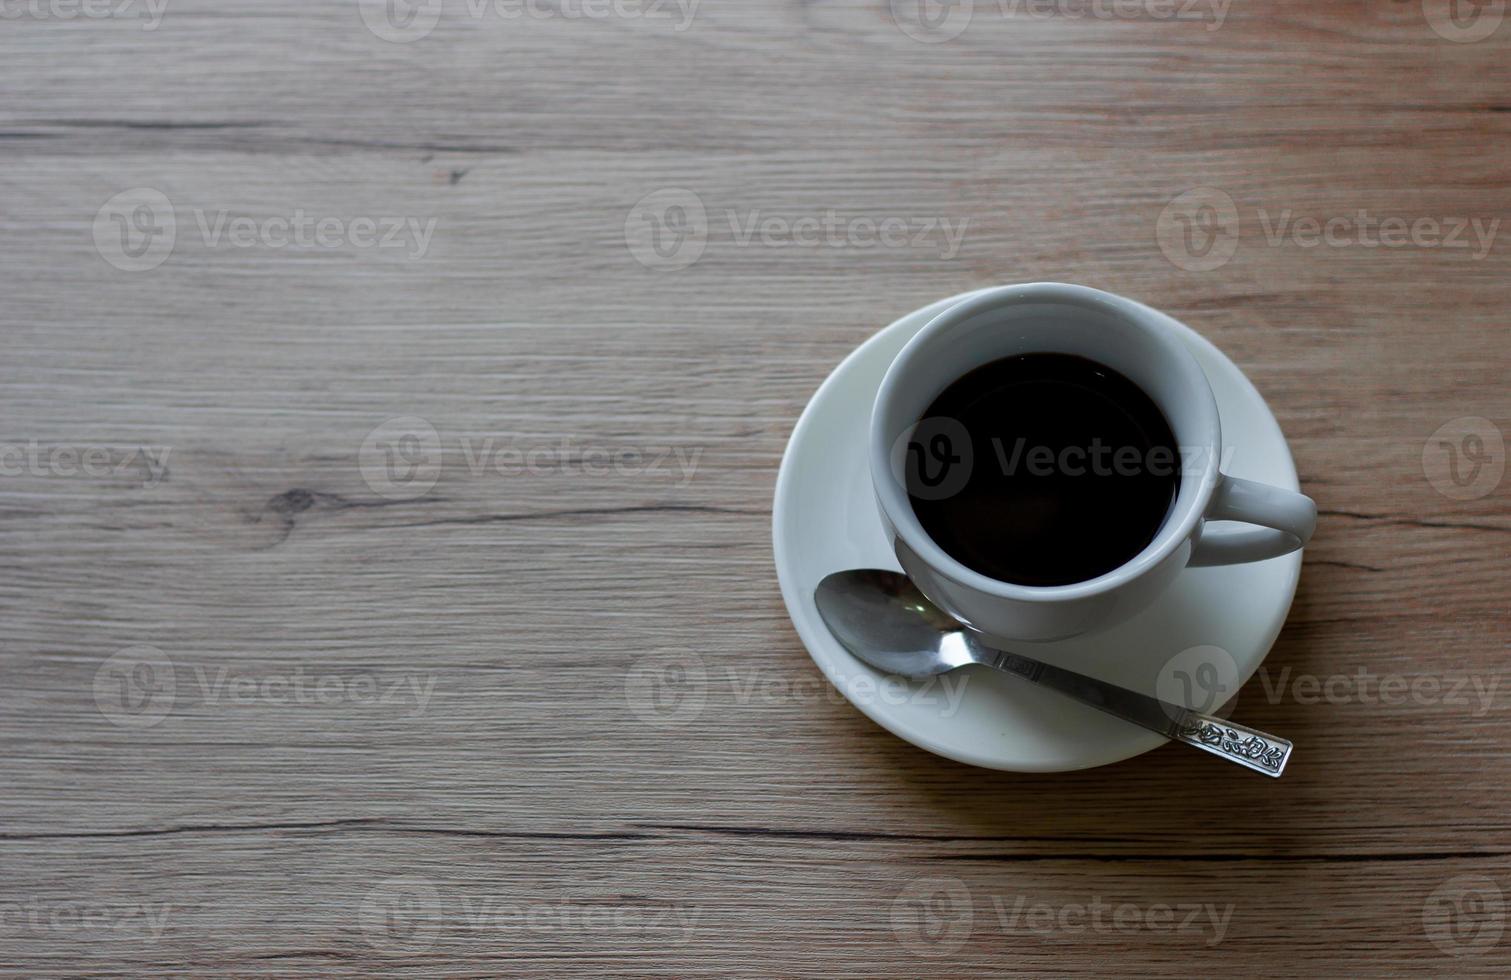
[1042,469]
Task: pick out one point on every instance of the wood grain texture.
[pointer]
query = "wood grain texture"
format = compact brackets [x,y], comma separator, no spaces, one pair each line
[484,761]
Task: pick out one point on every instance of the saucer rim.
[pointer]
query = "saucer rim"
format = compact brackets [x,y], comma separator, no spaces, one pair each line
[1139,741]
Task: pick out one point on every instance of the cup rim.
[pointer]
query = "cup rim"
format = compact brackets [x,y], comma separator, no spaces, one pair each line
[893,498]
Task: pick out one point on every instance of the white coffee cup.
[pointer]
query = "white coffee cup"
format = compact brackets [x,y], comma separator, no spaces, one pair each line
[1067,319]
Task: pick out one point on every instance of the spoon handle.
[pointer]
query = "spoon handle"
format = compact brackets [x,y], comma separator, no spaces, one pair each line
[1250,747]
[1247,747]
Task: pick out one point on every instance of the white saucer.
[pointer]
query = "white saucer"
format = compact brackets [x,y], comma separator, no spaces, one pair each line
[825,520]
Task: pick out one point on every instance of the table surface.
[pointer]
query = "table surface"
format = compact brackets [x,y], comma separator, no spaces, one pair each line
[288,687]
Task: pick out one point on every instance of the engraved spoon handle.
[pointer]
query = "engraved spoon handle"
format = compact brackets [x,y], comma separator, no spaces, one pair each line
[1258,750]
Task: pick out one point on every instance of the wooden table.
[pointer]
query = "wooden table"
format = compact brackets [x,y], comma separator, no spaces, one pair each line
[415,723]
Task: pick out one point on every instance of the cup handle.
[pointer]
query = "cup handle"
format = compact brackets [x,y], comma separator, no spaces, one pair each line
[1286,521]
